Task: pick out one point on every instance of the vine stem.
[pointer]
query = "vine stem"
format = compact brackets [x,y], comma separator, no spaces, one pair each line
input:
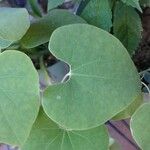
[146,87]
[67,75]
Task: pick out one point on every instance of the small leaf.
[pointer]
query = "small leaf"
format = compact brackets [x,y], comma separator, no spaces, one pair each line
[54,3]
[40,31]
[14,22]
[140,126]
[133,3]
[127,26]
[100,75]
[98,13]
[47,135]
[19,97]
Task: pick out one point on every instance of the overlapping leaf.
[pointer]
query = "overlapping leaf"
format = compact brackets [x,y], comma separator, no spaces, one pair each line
[49,136]
[100,75]
[98,13]
[40,31]
[4,43]
[54,3]
[14,22]
[19,97]
[128,112]
[127,26]
[140,126]
[133,3]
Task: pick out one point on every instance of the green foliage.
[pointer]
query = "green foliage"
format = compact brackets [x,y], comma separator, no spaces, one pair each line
[85,95]
[4,43]
[140,126]
[98,13]
[128,112]
[133,3]
[10,19]
[19,97]
[102,83]
[41,30]
[127,26]
[54,3]
[56,138]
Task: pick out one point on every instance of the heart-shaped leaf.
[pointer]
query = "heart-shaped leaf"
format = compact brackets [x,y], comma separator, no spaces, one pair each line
[41,30]
[140,126]
[100,75]
[19,97]
[47,135]
[14,22]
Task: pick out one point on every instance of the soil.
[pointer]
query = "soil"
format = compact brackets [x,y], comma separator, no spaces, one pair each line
[141,57]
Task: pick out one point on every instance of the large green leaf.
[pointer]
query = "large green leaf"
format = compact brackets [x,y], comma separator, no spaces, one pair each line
[100,75]
[14,22]
[4,43]
[54,3]
[19,97]
[128,112]
[47,135]
[133,3]
[127,26]
[40,31]
[140,126]
[98,13]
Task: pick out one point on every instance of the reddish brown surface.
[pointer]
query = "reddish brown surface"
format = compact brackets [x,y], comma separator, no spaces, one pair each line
[120,131]
[142,55]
